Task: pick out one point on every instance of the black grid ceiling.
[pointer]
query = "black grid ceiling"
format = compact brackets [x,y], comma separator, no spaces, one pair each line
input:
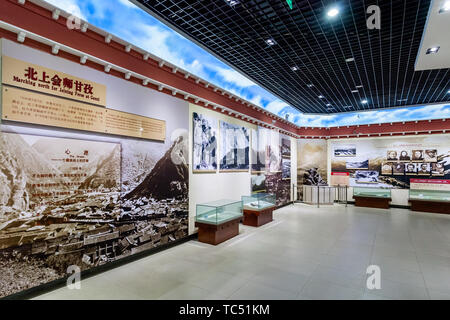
[318,46]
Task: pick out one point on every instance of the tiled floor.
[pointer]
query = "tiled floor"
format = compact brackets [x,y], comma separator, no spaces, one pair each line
[305,253]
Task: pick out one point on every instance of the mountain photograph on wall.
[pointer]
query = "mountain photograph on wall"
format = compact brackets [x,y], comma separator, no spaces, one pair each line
[68,202]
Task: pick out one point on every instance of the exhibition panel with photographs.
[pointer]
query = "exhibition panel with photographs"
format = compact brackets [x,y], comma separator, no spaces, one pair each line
[71,197]
[392,162]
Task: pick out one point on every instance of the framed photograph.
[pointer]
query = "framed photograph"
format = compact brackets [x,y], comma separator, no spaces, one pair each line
[405,155]
[399,169]
[364,164]
[392,155]
[234,147]
[345,151]
[387,168]
[423,169]
[285,147]
[367,176]
[417,155]
[258,182]
[437,169]
[285,168]
[204,151]
[430,155]
[410,169]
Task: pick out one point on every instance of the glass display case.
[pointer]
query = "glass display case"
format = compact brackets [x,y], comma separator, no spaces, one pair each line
[371,192]
[259,201]
[218,212]
[429,195]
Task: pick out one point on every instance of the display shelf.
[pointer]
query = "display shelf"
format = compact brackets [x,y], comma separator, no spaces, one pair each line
[372,197]
[435,201]
[258,209]
[218,221]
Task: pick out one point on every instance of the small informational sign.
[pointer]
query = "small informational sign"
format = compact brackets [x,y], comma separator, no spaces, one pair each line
[430,184]
[29,107]
[340,178]
[37,78]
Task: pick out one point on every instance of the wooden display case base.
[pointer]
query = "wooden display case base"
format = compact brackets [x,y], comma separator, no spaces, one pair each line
[430,206]
[215,234]
[371,202]
[257,218]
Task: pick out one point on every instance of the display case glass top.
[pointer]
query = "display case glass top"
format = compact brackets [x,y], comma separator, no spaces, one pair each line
[259,201]
[429,195]
[218,212]
[371,192]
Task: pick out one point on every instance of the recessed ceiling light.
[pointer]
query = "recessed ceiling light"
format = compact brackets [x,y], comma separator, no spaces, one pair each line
[364,101]
[271,42]
[350,59]
[328,105]
[448,92]
[347,107]
[432,50]
[232,3]
[445,7]
[355,91]
[310,85]
[402,100]
[294,68]
[333,12]
[359,87]
[321,97]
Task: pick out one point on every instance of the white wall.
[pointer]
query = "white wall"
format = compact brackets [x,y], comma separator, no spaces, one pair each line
[294,194]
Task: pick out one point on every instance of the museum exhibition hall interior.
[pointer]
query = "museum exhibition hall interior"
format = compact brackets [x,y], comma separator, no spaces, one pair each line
[224,150]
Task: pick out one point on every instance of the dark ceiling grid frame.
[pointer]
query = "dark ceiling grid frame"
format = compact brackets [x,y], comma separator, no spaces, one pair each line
[384,59]
[294,63]
[258,43]
[320,83]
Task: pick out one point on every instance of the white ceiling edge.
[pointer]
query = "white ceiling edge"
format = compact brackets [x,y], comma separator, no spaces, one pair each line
[436,34]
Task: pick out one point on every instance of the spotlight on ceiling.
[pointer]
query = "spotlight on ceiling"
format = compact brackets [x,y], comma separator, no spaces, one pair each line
[333,12]
[321,97]
[294,68]
[364,101]
[433,50]
[271,42]
[445,7]
[310,85]
[328,105]
[350,59]
[232,3]
[355,91]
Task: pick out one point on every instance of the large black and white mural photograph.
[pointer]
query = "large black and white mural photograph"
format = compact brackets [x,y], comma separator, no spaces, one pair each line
[345,151]
[274,152]
[84,203]
[234,147]
[285,146]
[258,182]
[204,143]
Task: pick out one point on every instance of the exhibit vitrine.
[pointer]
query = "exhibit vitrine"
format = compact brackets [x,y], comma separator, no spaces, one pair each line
[259,201]
[218,212]
[371,192]
[429,195]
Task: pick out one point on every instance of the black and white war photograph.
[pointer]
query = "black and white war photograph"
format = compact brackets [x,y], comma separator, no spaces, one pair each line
[345,151]
[204,143]
[285,146]
[286,168]
[366,176]
[234,147]
[359,164]
[68,202]
[258,182]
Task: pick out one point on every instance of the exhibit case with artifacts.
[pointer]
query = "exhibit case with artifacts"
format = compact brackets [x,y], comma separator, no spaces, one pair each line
[430,196]
[372,197]
[218,221]
[258,209]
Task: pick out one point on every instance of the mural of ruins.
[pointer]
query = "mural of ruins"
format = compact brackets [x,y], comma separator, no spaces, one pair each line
[73,202]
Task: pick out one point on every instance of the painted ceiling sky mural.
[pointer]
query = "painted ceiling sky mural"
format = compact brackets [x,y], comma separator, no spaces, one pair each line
[126,21]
